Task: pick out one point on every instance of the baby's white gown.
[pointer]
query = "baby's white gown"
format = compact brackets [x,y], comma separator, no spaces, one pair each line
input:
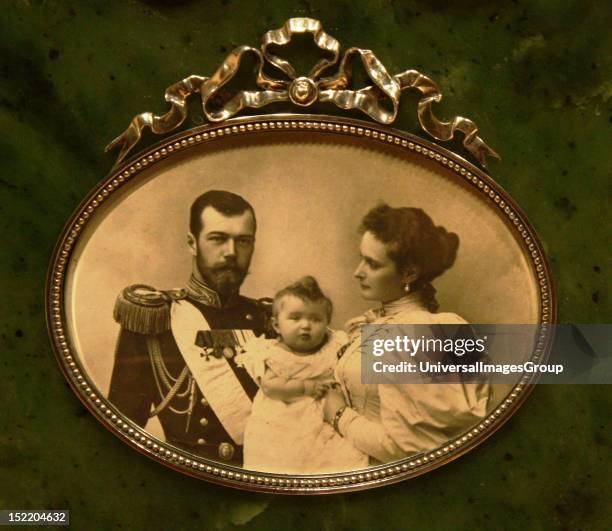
[292,437]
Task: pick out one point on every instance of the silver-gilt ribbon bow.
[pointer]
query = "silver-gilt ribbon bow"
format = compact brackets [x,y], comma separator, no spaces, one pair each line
[304,91]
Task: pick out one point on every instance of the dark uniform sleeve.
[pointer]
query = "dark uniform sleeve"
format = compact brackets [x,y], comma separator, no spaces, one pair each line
[132,387]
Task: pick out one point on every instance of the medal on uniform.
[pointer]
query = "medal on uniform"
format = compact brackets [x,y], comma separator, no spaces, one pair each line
[315,158]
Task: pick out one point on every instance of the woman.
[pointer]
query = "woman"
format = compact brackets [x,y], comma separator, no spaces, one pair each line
[402,251]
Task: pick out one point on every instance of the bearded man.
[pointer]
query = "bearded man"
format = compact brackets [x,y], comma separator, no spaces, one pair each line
[175,356]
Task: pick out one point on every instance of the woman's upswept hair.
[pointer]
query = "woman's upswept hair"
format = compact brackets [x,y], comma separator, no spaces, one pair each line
[414,241]
[306,289]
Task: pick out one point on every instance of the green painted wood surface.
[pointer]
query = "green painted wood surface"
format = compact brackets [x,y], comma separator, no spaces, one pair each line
[536,78]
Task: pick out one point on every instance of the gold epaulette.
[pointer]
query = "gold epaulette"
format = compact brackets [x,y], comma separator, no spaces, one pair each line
[145,310]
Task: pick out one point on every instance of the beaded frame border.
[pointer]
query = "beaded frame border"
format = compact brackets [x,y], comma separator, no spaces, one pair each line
[216,472]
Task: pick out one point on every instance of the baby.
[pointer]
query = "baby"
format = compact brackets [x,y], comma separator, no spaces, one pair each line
[286,432]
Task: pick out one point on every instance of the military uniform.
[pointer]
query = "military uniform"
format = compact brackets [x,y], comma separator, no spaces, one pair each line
[159,351]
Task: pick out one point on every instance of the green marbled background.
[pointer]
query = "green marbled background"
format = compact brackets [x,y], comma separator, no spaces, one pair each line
[536,78]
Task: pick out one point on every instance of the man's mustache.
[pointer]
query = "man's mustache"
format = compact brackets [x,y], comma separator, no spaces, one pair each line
[227,266]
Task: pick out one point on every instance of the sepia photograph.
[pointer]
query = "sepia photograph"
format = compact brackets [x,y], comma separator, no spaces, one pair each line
[216,300]
[288,265]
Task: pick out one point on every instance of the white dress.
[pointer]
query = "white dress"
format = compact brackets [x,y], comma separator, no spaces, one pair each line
[392,421]
[292,437]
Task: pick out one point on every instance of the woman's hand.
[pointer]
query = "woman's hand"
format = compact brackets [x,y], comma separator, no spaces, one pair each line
[315,389]
[334,400]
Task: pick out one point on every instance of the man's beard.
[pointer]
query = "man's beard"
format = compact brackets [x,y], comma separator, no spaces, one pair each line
[225,279]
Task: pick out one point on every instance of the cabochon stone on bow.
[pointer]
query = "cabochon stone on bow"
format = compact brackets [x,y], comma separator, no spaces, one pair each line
[306,90]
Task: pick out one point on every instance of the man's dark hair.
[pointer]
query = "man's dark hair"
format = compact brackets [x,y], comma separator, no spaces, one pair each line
[226,203]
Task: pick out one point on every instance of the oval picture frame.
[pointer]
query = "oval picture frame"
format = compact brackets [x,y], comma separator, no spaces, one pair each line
[310,179]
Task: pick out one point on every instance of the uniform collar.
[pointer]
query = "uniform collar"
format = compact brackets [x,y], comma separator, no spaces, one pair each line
[200,292]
